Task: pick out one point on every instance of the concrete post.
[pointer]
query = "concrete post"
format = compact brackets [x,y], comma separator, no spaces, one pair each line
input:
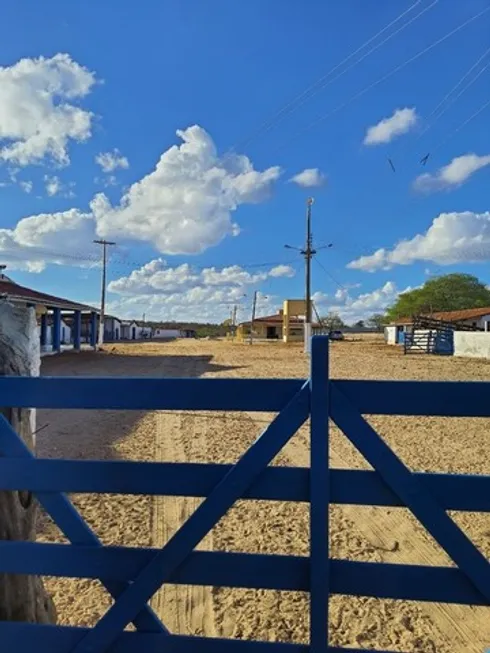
[77,330]
[56,329]
[93,330]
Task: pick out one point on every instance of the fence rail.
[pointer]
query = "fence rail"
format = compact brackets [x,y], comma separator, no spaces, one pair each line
[132,575]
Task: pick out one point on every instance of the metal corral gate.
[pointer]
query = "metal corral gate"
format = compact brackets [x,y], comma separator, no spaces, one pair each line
[133,575]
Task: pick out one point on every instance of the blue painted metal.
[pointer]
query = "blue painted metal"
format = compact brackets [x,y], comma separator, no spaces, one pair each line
[56,329]
[423,505]
[77,330]
[65,515]
[437,398]
[44,329]
[262,395]
[244,570]
[93,330]
[319,495]
[133,575]
[347,486]
[205,517]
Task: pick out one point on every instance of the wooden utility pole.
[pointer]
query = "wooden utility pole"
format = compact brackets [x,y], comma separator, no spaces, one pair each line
[233,321]
[254,306]
[308,253]
[105,244]
[22,597]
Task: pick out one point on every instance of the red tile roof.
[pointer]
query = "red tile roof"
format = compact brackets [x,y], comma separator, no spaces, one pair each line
[448,316]
[16,292]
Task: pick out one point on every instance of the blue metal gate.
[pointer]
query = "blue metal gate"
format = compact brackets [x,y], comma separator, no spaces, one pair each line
[133,575]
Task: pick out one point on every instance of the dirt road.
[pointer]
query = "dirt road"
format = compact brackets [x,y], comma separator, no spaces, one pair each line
[356,533]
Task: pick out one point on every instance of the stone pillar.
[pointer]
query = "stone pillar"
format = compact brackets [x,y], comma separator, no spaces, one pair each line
[22,597]
[56,329]
[77,330]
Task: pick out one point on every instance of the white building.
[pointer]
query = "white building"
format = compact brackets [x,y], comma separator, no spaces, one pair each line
[133,330]
[167,334]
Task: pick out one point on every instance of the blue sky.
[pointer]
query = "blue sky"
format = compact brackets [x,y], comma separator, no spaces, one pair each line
[208,226]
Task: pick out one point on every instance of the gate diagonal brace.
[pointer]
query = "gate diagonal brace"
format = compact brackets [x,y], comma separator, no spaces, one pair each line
[74,527]
[205,517]
[411,491]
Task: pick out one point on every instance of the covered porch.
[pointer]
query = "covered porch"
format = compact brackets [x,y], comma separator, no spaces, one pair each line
[59,320]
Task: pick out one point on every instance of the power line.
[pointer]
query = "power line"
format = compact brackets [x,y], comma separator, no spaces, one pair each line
[447,100]
[326,79]
[330,275]
[461,126]
[387,75]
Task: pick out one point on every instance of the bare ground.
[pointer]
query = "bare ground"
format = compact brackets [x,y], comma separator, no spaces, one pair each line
[358,533]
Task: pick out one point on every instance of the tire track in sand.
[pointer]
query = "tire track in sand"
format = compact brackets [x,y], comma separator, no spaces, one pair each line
[184,609]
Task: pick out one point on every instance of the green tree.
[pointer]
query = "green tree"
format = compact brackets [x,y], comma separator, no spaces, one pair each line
[332,321]
[376,321]
[360,324]
[451,292]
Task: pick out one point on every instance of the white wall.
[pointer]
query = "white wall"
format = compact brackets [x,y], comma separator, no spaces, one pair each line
[472,344]
[167,333]
[390,335]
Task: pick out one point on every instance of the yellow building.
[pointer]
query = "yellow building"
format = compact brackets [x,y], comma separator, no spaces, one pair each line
[287,325]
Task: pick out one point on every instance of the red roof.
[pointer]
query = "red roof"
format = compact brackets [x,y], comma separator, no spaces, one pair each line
[449,316]
[15,292]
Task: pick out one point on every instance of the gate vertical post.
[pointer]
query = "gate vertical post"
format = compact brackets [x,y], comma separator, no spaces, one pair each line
[319,494]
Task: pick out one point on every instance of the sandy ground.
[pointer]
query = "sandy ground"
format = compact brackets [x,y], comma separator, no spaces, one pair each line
[357,533]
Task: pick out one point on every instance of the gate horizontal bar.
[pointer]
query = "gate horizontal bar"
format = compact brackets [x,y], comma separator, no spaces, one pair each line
[437,398]
[448,399]
[116,393]
[25,638]
[244,570]
[348,486]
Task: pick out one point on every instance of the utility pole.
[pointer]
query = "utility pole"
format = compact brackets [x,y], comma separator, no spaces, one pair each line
[308,253]
[105,244]
[233,321]
[254,306]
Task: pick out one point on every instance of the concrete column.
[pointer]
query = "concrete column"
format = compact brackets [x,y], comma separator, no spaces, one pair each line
[44,329]
[56,329]
[93,330]
[77,330]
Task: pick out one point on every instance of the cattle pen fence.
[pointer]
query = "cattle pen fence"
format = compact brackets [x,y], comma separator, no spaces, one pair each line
[133,575]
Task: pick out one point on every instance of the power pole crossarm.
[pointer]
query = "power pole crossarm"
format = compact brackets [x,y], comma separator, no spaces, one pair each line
[105,244]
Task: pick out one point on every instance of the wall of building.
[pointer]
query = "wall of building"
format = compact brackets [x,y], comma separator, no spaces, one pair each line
[472,344]
[390,335]
[167,333]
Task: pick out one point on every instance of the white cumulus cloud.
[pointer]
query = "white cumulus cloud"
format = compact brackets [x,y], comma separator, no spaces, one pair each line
[110,161]
[309,178]
[186,293]
[58,238]
[452,238]
[26,186]
[38,116]
[401,122]
[159,278]
[453,174]
[185,204]
[351,309]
